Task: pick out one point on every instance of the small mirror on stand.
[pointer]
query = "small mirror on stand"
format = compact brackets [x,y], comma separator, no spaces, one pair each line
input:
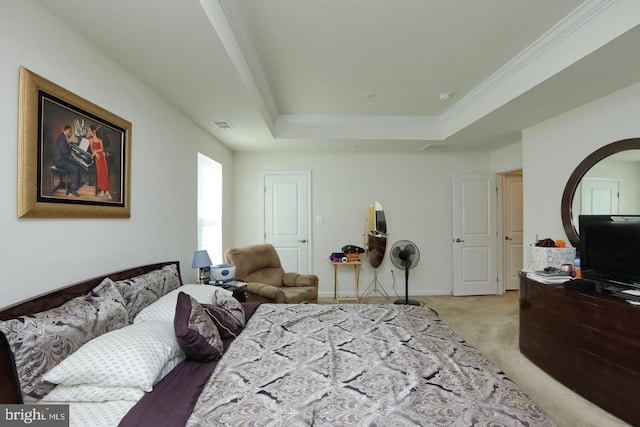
[376,244]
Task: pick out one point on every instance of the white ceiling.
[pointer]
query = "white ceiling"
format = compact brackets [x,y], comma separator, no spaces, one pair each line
[366,74]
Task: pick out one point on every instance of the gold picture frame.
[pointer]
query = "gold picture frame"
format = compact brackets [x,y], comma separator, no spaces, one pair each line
[50,185]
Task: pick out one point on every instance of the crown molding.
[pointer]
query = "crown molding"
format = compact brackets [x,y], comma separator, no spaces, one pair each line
[358,127]
[358,119]
[569,24]
[504,76]
[479,102]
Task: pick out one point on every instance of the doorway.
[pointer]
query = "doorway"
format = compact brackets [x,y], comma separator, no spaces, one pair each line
[600,196]
[474,234]
[512,227]
[287,218]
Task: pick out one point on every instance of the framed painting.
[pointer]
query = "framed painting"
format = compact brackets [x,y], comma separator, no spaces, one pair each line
[74,158]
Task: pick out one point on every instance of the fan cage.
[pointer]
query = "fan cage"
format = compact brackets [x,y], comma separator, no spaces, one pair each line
[402,249]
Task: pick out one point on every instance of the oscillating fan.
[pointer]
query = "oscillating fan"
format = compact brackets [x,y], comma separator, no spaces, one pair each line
[405,255]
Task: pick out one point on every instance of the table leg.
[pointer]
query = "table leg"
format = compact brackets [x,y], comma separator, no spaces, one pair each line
[335,282]
[357,266]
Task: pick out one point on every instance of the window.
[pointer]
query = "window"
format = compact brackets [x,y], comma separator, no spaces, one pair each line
[210,207]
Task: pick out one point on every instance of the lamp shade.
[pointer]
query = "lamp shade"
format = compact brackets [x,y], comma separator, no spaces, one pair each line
[201,259]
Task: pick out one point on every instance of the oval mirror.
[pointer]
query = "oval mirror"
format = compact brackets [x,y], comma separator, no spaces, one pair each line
[606,180]
[376,234]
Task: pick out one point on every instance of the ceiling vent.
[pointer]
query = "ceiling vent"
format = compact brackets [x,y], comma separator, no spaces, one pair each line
[224,125]
[435,147]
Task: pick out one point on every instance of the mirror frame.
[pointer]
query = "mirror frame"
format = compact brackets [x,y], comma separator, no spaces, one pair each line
[566,206]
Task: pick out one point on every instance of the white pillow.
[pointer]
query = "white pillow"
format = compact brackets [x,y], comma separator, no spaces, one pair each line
[99,393]
[164,309]
[133,356]
[102,414]
[92,393]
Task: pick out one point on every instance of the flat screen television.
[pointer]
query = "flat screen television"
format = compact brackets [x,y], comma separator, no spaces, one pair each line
[610,248]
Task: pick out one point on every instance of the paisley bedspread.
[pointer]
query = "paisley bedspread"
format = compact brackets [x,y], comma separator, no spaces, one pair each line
[358,365]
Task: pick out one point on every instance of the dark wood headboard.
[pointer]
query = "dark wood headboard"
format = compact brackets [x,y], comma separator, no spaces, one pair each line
[9,386]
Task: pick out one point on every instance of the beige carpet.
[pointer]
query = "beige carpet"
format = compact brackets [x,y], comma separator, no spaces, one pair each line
[490,323]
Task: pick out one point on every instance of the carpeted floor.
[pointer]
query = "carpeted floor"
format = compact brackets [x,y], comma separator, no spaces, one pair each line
[490,323]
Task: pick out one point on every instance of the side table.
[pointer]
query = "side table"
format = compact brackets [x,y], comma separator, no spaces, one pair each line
[239,290]
[356,265]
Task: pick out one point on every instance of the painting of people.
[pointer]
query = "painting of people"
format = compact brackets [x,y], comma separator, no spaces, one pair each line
[80,154]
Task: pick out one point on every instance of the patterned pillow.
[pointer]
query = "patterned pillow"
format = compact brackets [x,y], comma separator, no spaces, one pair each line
[228,303]
[42,340]
[134,356]
[165,307]
[140,291]
[228,325]
[197,334]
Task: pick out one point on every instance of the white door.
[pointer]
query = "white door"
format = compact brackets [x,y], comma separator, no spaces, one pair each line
[287,218]
[474,234]
[600,196]
[512,230]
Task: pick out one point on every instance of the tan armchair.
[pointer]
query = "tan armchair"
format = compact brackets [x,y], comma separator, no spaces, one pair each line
[259,266]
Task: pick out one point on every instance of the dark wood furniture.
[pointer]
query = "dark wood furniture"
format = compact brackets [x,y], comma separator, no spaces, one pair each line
[239,291]
[9,387]
[589,341]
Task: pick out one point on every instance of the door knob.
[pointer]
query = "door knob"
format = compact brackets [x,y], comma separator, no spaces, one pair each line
[507,238]
[458,240]
[303,241]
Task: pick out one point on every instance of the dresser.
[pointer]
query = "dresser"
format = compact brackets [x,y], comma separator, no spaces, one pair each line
[588,341]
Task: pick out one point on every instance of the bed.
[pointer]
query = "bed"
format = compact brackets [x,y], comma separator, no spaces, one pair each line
[246,363]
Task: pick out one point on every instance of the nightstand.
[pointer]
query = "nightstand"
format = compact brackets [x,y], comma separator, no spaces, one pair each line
[239,290]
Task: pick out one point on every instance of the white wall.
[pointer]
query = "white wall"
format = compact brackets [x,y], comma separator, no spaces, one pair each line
[415,190]
[43,254]
[553,149]
[507,159]
[39,255]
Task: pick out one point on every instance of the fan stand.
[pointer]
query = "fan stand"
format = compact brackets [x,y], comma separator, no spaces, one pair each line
[372,289]
[406,300]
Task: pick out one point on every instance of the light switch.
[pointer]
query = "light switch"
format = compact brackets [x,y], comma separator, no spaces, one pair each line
[318,219]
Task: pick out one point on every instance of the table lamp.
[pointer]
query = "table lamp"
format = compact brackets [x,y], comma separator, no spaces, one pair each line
[201,261]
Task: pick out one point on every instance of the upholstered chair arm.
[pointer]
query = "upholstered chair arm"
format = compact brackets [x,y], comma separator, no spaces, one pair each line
[295,279]
[272,293]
